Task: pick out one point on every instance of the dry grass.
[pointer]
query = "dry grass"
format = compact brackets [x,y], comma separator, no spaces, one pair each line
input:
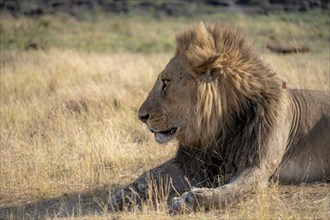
[69,135]
[72,117]
[68,125]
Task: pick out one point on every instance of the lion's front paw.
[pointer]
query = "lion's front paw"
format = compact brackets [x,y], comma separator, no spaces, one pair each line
[127,197]
[189,201]
[178,205]
[120,199]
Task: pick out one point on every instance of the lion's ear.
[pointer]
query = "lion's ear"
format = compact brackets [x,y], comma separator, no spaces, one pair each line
[209,69]
[210,75]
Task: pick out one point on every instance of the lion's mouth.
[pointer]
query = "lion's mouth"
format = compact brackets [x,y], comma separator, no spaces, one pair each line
[163,137]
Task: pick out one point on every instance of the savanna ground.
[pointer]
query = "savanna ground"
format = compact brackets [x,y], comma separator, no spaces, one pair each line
[70,90]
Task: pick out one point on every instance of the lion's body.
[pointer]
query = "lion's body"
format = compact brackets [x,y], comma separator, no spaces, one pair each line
[306,152]
[308,155]
[236,124]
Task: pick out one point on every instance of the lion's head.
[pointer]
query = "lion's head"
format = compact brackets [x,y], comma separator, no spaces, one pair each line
[213,77]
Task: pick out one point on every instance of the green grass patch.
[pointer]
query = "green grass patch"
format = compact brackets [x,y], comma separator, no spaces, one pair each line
[147,34]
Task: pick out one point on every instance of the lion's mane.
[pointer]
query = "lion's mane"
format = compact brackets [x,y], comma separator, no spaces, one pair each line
[239,98]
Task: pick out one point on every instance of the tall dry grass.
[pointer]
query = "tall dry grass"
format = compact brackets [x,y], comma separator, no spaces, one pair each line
[68,125]
[69,120]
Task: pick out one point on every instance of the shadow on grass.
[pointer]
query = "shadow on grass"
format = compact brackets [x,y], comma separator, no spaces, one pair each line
[301,201]
[87,203]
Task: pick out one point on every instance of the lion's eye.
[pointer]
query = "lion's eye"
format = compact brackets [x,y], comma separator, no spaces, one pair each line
[165,84]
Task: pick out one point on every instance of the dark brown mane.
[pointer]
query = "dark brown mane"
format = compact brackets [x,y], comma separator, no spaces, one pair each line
[237,110]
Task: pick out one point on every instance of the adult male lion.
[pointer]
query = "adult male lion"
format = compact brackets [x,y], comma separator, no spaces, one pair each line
[237,127]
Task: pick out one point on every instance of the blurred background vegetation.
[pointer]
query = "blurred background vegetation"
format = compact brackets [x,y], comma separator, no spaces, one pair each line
[150,25]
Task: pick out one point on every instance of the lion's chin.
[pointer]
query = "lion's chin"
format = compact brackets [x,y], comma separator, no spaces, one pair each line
[165,136]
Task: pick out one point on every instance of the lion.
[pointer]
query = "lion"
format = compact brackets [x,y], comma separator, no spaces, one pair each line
[237,124]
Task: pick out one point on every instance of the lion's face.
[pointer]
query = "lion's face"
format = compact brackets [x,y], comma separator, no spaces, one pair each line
[169,105]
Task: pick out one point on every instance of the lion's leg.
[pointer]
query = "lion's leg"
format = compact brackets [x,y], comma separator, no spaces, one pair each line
[243,183]
[161,182]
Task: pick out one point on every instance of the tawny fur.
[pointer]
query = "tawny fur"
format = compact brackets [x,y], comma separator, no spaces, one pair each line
[245,89]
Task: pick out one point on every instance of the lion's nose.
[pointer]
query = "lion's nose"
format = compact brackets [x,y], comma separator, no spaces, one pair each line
[143,117]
